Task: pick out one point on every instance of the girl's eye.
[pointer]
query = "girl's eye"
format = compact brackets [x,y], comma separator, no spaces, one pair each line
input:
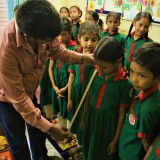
[141,76]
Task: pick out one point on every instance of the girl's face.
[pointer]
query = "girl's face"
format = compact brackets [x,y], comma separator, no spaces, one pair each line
[107,68]
[74,13]
[141,78]
[88,41]
[112,23]
[64,13]
[141,26]
[65,37]
[88,17]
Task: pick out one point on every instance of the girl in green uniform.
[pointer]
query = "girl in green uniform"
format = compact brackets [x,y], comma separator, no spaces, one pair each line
[75,15]
[112,22]
[45,93]
[58,72]
[79,74]
[142,120]
[106,103]
[135,39]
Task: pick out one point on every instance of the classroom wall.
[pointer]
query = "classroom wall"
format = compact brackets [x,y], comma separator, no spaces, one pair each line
[154,31]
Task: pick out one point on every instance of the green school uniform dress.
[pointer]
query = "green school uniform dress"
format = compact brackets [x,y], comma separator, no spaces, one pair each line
[102,114]
[46,86]
[61,76]
[118,36]
[131,45]
[82,74]
[75,28]
[142,120]
[155,154]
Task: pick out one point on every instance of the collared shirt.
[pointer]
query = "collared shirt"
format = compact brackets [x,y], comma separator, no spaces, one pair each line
[118,36]
[141,122]
[131,45]
[21,70]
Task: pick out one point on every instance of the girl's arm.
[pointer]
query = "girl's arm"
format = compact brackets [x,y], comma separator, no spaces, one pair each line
[70,84]
[62,91]
[151,146]
[51,75]
[113,145]
[86,104]
[146,143]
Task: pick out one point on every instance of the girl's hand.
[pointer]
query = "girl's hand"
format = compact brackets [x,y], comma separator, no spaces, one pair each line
[60,96]
[62,91]
[112,148]
[70,106]
[56,89]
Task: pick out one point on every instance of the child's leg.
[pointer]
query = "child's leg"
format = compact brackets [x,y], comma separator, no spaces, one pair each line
[61,120]
[48,111]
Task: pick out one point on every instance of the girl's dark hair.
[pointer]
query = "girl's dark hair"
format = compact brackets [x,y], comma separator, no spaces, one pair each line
[114,14]
[89,26]
[66,25]
[94,14]
[38,19]
[100,23]
[65,9]
[109,49]
[148,56]
[137,18]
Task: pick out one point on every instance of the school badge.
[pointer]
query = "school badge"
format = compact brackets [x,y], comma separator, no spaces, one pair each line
[132,119]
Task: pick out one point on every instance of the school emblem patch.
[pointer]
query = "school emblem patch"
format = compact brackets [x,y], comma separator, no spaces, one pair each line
[132,119]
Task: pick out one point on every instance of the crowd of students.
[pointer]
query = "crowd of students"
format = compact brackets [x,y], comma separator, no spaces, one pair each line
[119,118]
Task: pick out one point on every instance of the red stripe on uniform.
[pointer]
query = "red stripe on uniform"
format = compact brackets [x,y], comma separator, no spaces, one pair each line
[124,105]
[70,71]
[131,51]
[101,95]
[132,110]
[59,65]
[142,135]
[82,73]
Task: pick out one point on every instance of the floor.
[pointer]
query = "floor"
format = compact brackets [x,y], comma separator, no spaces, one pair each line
[51,150]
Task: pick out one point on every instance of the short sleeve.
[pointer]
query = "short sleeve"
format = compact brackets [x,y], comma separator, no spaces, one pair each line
[148,121]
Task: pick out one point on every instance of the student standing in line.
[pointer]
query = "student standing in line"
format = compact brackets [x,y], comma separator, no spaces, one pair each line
[112,22]
[94,16]
[106,103]
[142,121]
[135,39]
[79,76]
[25,44]
[58,72]
[75,15]
[64,12]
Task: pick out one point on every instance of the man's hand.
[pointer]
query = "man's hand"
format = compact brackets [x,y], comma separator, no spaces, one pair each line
[88,59]
[58,132]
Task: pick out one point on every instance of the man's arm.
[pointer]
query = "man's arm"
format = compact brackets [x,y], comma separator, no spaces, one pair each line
[58,51]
